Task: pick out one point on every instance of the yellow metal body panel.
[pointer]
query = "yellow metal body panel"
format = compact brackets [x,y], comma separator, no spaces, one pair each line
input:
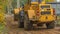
[31,14]
[16,11]
[34,2]
[47,18]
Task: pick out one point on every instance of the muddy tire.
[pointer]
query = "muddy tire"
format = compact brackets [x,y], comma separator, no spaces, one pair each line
[21,19]
[21,25]
[27,23]
[50,25]
[15,17]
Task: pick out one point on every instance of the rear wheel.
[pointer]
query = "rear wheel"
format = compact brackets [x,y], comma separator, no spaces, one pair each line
[21,19]
[50,25]
[27,23]
[21,24]
[15,17]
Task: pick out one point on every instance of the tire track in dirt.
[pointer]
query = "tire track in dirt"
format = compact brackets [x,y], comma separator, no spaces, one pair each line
[41,31]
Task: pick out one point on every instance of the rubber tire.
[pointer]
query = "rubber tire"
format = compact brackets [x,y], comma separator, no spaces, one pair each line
[21,25]
[21,20]
[50,25]
[27,23]
[15,17]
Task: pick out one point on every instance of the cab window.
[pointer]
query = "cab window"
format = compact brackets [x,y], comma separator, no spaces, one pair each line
[40,1]
[46,6]
[34,0]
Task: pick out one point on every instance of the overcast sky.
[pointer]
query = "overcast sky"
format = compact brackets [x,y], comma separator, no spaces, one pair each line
[58,0]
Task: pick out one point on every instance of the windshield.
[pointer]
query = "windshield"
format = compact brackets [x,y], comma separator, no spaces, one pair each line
[45,12]
[34,0]
[47,6]
[40,1]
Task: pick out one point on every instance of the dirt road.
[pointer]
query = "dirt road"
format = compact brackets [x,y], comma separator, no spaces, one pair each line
[15,30]
[12,28]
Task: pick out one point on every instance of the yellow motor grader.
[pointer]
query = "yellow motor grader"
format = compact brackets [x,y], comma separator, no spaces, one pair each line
[36,12]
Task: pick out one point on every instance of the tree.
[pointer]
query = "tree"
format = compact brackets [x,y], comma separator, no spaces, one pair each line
[50,0]
[23,2]
[3,4]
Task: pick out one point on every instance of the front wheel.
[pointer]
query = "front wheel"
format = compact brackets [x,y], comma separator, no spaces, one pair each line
[50,25]
[27,23]
[21,19]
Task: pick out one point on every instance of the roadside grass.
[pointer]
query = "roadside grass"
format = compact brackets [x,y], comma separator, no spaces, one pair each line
[3,29]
